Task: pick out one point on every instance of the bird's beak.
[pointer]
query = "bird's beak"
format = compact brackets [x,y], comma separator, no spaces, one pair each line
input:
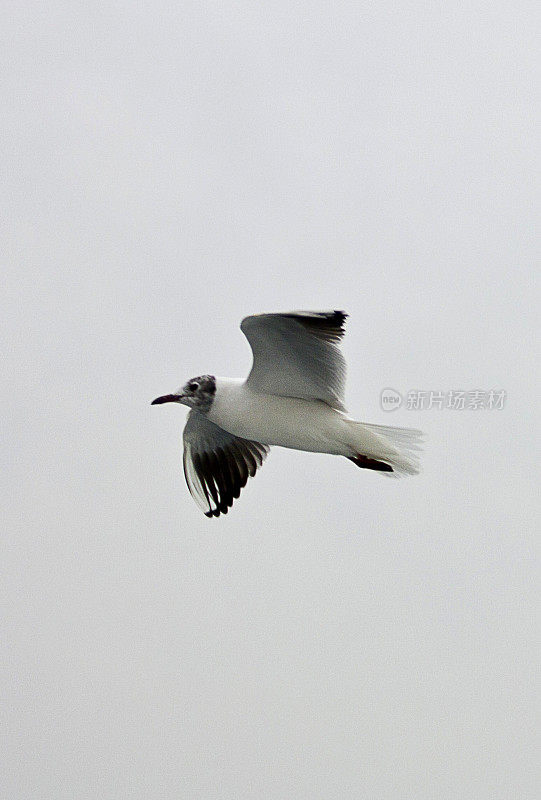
[166,398]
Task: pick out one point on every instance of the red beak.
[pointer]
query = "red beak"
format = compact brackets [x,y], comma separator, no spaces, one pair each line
[166,398]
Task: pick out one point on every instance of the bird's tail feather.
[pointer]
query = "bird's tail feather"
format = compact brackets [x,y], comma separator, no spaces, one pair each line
[384,444]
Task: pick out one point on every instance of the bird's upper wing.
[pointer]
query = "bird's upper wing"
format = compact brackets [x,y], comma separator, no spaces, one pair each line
[217,464]
[296,355]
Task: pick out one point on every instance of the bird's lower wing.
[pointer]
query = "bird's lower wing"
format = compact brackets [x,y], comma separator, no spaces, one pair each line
[217,464]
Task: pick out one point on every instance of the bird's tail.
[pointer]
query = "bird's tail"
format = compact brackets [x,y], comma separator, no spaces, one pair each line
[391,451]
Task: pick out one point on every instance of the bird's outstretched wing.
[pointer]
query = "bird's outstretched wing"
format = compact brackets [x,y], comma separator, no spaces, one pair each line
[296,355]
[217,464]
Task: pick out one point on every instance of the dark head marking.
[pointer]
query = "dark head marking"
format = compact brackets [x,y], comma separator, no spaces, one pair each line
[199,392]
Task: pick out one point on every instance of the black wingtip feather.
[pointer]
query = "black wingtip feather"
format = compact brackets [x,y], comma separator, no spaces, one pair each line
[223,474]
[328,325]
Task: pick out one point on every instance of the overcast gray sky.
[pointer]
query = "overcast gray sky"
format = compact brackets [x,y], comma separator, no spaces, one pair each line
[168,168]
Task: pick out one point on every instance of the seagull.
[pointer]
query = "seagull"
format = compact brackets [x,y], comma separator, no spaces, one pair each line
[293,397]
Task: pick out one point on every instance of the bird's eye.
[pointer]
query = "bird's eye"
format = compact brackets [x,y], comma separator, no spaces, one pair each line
[192,386]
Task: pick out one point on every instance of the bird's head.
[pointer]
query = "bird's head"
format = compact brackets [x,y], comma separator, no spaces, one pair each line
[197,393]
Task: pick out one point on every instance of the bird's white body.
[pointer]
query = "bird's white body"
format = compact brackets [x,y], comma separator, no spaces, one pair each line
[283,421]
[309,425]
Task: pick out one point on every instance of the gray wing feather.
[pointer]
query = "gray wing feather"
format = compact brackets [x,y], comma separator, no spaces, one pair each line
[296,355]
[217,464]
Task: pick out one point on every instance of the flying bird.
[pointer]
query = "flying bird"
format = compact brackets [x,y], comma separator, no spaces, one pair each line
[293,397]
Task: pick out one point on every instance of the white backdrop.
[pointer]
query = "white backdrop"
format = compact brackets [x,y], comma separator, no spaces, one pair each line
[168,168]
